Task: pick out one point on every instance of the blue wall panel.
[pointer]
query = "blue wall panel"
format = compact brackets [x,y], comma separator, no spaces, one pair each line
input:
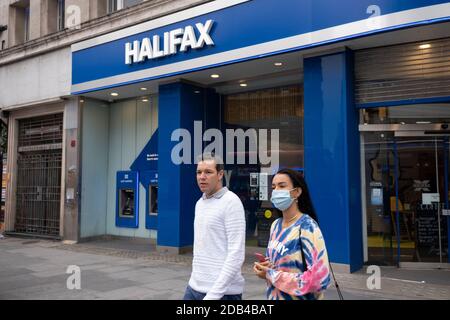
[332,155]
[179,107]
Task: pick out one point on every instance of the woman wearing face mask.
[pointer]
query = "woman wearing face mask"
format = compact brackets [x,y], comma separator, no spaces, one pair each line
[284,270]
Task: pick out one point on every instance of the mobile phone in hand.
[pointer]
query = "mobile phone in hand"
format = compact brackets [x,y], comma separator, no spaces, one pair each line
[260,257]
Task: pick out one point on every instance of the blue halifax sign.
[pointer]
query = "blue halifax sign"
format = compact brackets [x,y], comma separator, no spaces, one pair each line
[227,31]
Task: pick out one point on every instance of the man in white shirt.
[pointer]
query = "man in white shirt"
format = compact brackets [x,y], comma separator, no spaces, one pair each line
[219,238]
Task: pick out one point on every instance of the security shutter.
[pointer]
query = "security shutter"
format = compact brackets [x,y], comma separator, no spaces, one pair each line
[38,190]
[402,72]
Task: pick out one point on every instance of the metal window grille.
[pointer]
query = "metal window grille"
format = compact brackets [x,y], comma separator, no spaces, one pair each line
[39,176]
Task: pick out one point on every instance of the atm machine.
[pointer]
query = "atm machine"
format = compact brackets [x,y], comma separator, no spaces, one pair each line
[127,199]
[149,180]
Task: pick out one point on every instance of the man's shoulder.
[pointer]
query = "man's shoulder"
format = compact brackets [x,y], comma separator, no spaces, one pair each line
[231,196]
[232,202]
[199,202]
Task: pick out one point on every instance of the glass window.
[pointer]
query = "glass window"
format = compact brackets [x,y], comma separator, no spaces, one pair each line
[406,182]
[274,108]
[130,3]
[115,5]
[112,6]
[20,29]
[61,15]
[408,114]
[27,23]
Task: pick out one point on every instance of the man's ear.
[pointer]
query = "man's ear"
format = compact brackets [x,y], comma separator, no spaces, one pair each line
[220,173]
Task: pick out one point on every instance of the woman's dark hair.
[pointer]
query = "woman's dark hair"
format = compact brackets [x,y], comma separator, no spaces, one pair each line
[304,203]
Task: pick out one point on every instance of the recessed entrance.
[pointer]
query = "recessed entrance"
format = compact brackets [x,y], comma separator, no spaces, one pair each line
[39,158]
[406,179]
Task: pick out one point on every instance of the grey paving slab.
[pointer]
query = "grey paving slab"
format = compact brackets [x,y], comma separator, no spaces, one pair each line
[9,272]
[133,292]
[39,267]
[14,260]
[51,273]
[33,292]
[116,269]
[20,283]
[171,284]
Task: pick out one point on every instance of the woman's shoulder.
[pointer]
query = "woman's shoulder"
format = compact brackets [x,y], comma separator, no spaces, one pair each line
[275,223]
[277,220]
[308,223]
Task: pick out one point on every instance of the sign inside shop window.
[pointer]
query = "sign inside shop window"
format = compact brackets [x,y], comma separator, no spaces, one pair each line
[376,196]
[263,187]
[428,226]
[430,198]
[254,181]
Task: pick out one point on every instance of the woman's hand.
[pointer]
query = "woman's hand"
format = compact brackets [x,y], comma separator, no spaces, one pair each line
[261,268]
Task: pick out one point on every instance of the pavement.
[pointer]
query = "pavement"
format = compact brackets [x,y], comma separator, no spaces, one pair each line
[117,269]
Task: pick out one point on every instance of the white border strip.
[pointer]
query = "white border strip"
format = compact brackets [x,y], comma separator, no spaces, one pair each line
[159,22]
[350,29]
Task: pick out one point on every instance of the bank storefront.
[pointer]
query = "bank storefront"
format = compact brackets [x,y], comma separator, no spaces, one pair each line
[341,94]
[404,125]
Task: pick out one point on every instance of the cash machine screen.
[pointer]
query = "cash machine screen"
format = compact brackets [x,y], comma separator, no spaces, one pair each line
[126,203]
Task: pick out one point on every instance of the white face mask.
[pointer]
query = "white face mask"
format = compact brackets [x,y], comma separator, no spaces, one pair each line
[281,199]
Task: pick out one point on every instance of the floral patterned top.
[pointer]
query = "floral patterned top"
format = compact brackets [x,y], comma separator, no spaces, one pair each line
[287,281]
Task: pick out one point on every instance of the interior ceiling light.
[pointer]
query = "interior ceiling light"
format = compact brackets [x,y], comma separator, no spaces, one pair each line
[423,122]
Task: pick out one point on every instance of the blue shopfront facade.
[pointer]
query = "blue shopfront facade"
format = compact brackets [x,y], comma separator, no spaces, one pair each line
[221,34]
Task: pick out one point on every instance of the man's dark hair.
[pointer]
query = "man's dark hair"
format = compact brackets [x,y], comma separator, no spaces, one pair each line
[217,159]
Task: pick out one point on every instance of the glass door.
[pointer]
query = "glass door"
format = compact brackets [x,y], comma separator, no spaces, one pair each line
[422,196]
[407,191]
[380,175]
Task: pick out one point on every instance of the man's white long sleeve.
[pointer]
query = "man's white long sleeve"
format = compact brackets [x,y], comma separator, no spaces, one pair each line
[219,246]
[235,232]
